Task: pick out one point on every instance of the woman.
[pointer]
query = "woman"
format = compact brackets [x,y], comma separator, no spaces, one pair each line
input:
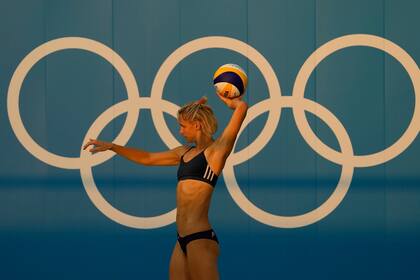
[197,248]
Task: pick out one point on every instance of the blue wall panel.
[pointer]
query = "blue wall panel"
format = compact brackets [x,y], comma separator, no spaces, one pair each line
[49,227]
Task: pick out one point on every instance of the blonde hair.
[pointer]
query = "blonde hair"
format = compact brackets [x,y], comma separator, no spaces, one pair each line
[201,112]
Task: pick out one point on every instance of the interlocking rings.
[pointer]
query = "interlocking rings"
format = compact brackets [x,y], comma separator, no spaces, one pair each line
[273,104]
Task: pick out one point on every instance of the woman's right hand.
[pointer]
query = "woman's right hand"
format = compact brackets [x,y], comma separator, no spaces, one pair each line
[232,103]
[98,146]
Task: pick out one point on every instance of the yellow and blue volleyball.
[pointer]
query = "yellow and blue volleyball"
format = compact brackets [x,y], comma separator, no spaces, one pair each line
[230,81]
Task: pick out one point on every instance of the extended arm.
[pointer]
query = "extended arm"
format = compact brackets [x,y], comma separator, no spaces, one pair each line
[170,157]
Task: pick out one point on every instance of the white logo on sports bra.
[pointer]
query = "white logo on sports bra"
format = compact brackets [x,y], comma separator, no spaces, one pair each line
[208,174]
[273,105]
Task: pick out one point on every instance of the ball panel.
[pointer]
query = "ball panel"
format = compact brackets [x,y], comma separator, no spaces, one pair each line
[235,69]
[231,77]
[227,90]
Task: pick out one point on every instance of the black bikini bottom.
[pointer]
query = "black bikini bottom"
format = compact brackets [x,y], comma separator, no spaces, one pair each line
[208,234]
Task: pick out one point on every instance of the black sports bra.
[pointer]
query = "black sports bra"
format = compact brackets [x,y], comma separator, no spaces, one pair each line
[197,168]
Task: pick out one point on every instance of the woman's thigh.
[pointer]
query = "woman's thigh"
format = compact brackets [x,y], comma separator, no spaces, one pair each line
[178,266]
[202,259]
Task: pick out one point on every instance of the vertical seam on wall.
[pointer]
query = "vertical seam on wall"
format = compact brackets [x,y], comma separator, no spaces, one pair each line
[384,108]
[45,73]
[113,100]
[316,100]
[45,104]
[247,98]
[179,44]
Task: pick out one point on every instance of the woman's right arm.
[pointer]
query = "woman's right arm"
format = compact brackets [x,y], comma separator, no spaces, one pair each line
[170,157]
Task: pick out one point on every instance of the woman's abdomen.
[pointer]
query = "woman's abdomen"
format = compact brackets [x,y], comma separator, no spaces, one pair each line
[193,200]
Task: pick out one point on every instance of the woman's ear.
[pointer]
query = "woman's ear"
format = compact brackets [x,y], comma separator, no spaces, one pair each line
[197,125]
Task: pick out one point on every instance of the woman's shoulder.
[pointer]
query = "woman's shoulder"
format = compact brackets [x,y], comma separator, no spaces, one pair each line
[181,150]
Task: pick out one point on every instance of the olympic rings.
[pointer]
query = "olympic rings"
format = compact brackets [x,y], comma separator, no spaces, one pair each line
[273,104]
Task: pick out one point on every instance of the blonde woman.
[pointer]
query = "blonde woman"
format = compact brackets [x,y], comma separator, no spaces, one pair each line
[197,249]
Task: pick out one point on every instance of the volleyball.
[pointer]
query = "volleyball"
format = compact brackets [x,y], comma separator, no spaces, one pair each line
[230,80]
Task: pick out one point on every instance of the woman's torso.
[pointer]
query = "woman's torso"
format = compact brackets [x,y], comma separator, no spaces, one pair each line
[193,197]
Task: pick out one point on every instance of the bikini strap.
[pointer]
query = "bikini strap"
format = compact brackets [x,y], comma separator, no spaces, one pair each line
[187,151]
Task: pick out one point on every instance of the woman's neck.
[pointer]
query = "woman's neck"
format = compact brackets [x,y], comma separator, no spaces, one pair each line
[203,142]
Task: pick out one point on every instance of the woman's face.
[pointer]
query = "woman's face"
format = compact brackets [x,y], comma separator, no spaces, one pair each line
[188,129]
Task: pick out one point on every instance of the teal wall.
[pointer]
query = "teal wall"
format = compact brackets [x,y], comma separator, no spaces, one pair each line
[51,229]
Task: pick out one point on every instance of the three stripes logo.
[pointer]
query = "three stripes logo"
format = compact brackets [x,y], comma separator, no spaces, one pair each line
[209,174]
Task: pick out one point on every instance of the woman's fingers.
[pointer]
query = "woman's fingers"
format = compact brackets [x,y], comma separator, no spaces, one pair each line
[86,145]
[95,150]
[227,101]
[90,142]
[224,99]
[202,100]
[98,146]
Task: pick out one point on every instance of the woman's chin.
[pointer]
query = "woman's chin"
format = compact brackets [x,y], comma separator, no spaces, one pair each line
[187,140]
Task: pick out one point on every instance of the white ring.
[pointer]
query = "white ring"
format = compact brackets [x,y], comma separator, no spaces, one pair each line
[86,169]
[329,205]
[337,44]
[42,51]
